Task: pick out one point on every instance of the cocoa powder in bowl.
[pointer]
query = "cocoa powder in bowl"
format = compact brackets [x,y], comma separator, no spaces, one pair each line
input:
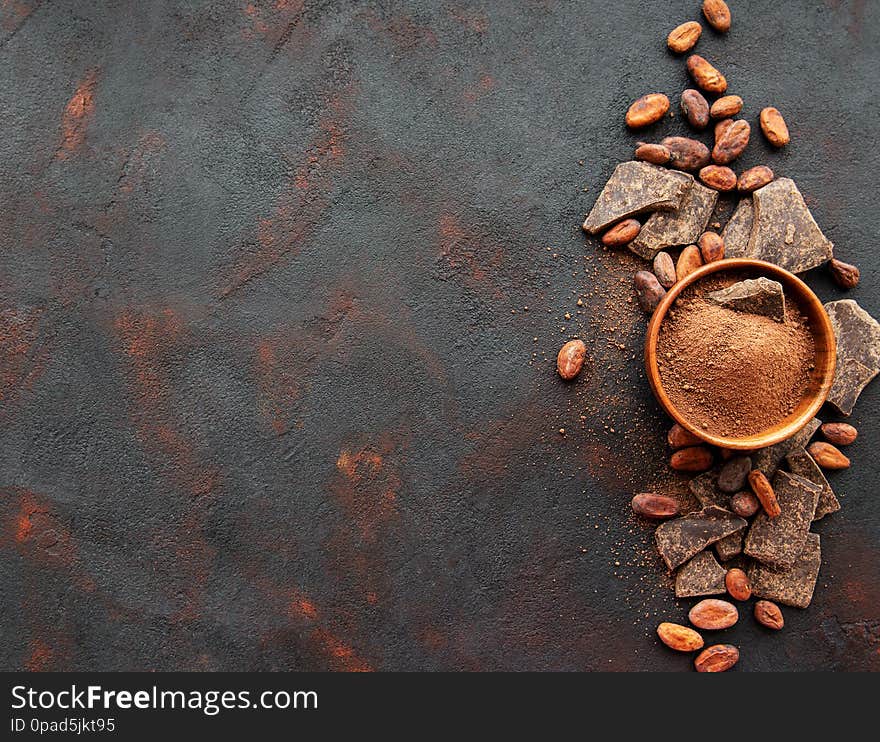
[733,374]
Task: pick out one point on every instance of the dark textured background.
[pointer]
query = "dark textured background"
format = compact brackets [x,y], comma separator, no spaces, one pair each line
[269,396]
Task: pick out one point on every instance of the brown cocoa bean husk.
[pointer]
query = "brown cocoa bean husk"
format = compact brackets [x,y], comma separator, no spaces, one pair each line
[649,292]
[622,233]
[695,108]
[845,275]
[774,127]
[768,614]
[713,614]
[744,504]
[647,110]
[839,434]
[656,154]
[664,269]
[717,658]
[828,456]
[719,177]
[570,359]
[654,506]
[678,637]
[688,261]
[754,178]
[687,154]
[717,15]
[707,77]
[737,583]
[711,247]
[684,37]
[732,143]
[692,458]
[725,107]
[679,437]
[764,492]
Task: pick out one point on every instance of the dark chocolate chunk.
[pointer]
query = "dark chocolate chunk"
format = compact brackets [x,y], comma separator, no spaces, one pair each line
[801,463]
[794,586]
[732,477]
[680,539]
[730,546]
[705,489]
[702,575]
[680,227]
[858,352]
[635,188]
[738,230]
[753,296]
[778,541]
[784,231]
[768,459]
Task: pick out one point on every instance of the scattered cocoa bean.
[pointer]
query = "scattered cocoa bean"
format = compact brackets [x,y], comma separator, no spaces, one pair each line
[622,233]
[845,275]
[717,658]
[649,292]
[840,434]
[717,14]
[654,506]
[774,127]
[678,637]
[656,154]
[679,437]
[733,475]
[768,614]
[764,492]
[695,108]
[664,269]
[684,37]
[692,458]
[754,178]
[711,247]
[713,614]
[570,359]
[827,456]
[721,127]
[647,110]
[725,107]
[744,504]
[705,75]
[732,143]
[737,583]
[719,177]
[687,154]
[688,261]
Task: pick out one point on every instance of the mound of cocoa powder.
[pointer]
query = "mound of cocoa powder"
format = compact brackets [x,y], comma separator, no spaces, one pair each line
[733,373]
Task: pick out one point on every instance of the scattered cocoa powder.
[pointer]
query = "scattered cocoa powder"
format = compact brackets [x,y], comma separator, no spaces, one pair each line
[732,373]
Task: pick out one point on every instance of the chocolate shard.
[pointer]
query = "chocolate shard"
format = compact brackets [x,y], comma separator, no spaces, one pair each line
[858,352]
[768,459]
[778,541]
[738,230]
[680,539]
[784,231]
[730,546]
[753,296]
[680,227]
[794,586]
[702,575]
[635,188]
[801,463]
[705,489]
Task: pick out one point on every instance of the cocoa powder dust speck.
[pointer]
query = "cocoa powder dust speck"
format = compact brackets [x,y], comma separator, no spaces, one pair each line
[731,373]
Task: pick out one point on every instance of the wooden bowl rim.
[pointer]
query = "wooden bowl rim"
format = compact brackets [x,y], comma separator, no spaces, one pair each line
[803,294]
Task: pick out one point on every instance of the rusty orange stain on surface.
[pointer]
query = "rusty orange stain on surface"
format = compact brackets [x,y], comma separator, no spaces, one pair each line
[485,84]
[368,491]
[342,656]
[15,12]
[22,355]
[271,20]
[77,115]
[468,252]
[39,657]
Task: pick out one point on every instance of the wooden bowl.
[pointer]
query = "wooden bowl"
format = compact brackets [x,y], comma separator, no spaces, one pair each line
[823,336]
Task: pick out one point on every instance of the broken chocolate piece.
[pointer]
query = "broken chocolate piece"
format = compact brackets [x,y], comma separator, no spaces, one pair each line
[858,352]
[680,539]
[738,230]
[801,463]
[768,459]
[794,586]
[680,227]
[702,575]
[784,231]
[778,541]
[730,546]
[705,489]
[635,188]
[753,296]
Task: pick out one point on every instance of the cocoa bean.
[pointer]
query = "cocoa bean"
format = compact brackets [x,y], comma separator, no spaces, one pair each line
[725,107]
[754,178]
[695,108]
[654,506]
[840,434]
[693,458]
[664,269]
[622,233]
[712,614]
[719,177]
[744,504]
[845,275]
[678,637]
[707,77]
[687,154]
[679,437]
[717,14]
[711,247]
[717,658]
[649,292]
[684,37]
[764,492]
[737,583]
[656,154]
[734,473]
[647,110]
[688,261]
[732,142]
[827,456]
[774,127]
[570,359]
[768,614]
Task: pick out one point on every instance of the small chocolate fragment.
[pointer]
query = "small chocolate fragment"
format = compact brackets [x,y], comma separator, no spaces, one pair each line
[733,475]
[635,188]
[738,230]
[850,378]
[702,575]
[801,463]
[858,352]
[753,296]
[784,231]
[768,459]
[680,539]
[730,546]
[705,489]
[681,227]
[794,586]
[778,541]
